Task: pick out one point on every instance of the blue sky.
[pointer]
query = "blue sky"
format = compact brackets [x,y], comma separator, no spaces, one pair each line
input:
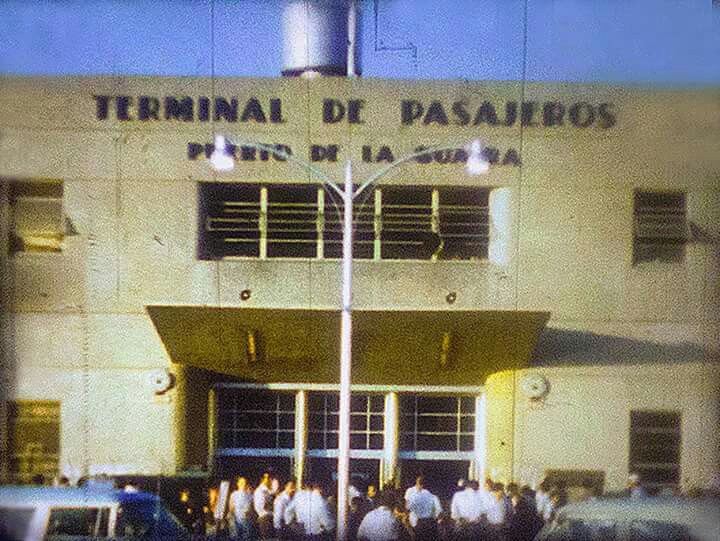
[626,41]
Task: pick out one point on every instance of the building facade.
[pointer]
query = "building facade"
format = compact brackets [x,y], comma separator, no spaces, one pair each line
[555,316]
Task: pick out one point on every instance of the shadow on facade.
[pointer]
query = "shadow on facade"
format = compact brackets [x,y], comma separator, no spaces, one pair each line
[8,366]
[563,347]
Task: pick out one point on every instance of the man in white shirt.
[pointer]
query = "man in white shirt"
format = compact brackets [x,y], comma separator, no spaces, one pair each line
[467,509]
[240,510]
[635,488]
[542,500]
[463,506]
[310,510]
[380,524]
[496,509]
[280,504]
[424,508]
[262,502]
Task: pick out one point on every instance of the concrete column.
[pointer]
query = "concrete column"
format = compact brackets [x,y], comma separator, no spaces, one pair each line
[391,437]
[263,222]
[180,420]
[480,439]
[212,428]
[502,209]
[300,435]
[320,224]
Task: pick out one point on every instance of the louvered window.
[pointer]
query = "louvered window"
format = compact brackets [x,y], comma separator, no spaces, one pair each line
[363,225]
[464,223]
[655,447]
[229,220]
[407,223]
[292,221]
[661,229]
[305,221]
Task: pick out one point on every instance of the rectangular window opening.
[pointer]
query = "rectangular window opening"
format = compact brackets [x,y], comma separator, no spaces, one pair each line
[37,221]
[255,419]
[655,447]
[33,440]
[292,217]
[464,223]
[437,423]
[389,222]
[363,225]
[366,421]
[229,220]
[661,228]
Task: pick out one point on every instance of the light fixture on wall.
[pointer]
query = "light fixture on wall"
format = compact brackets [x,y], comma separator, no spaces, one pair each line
[252,347]
[476,163]
[220,158]
[534,386]
[162,380]
[445,347]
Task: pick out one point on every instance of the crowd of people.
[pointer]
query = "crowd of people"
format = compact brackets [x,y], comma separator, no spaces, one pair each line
[285,512]
[490,512]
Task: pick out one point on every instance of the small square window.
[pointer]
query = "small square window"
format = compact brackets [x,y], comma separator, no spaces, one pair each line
[37,223]
[661,228]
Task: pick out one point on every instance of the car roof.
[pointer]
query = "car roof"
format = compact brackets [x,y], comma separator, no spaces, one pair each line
[666,509]
[19,496]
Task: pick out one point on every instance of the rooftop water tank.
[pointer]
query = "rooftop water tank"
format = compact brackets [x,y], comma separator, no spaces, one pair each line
[315,38]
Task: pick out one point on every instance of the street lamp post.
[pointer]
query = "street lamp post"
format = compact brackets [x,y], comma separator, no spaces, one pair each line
[221,160]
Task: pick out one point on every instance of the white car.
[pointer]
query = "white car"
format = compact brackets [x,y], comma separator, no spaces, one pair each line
[645,519]
[43,513]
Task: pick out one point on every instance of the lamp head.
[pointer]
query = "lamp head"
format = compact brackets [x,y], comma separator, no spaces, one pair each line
[220,159]
[476,163]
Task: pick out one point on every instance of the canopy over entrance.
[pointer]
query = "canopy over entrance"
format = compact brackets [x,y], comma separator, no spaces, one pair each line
[389,347]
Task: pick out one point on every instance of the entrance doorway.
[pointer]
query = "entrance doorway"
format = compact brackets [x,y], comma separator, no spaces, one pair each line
[363,472]
[441,476]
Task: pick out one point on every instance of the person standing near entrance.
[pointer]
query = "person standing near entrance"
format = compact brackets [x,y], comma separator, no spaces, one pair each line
[380,524]
[240,511]
[280,504]
[466,510]
[262,501]
[311,514]
[424,508]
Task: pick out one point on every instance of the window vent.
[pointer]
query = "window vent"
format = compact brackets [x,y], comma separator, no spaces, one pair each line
[655,447]
[305,221]
[661,229]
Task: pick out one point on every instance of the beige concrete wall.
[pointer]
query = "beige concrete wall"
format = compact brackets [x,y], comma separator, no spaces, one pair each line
[111,421]
[131,194]
[584,420]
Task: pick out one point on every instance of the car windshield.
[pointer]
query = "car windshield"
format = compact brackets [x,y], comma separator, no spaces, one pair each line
[605,530]
[652,530]
[77,521]
[14,523]
[135,520]
[147,520]
[571,530]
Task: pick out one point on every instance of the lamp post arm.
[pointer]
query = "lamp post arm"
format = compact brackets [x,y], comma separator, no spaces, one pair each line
[292,158]
[385,170]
